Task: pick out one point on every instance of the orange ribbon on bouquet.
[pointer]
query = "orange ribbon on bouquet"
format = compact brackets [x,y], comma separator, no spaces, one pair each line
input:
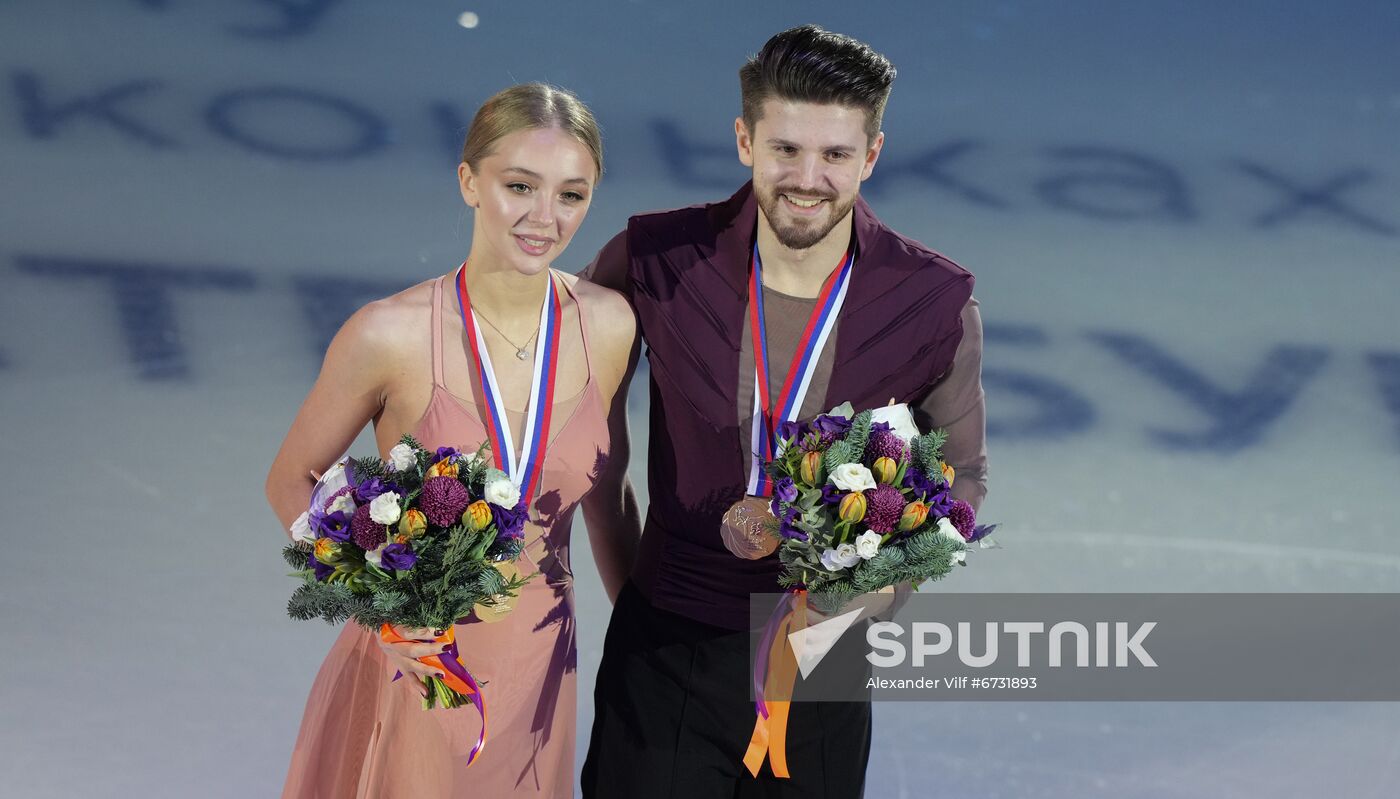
[775,673]
[454,675]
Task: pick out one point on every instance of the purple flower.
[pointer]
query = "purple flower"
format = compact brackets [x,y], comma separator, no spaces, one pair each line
[879,427]
[940,503]
[510,522]
[831,495]
[335,526]
[776,507]
[831,427]
[365,492]
[323,572]
[790,431]
[919,482]
[398,557]
[446,454]
[785,489]
[787,527]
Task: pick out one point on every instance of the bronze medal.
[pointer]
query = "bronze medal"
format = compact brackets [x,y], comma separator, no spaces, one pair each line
[744,529]
[502,604]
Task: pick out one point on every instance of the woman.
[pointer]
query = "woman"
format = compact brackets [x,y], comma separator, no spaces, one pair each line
[531,160]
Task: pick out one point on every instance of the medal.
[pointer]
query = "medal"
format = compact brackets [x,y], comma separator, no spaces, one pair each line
[501,604]
[742,527]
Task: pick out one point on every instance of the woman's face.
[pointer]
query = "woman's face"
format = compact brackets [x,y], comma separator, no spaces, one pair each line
[530,195]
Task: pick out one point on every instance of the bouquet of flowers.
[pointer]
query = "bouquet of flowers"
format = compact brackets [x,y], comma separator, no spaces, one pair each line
[418,541]
[861,502]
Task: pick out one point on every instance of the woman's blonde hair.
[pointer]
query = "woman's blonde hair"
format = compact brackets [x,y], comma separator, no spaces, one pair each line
[530,106]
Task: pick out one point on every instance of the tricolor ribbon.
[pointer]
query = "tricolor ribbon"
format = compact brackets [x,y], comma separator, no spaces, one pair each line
[769,412]
[524,471]
[454,675]
[774,674]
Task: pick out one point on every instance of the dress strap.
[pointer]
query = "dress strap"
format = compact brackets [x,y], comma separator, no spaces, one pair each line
[437,332]
[582,327]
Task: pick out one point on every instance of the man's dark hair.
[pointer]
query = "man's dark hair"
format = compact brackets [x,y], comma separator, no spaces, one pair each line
[808,64]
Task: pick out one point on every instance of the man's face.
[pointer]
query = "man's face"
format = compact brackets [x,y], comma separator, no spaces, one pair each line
[808,162]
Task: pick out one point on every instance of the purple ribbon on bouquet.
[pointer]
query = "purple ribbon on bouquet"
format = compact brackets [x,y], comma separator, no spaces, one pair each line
[458,679]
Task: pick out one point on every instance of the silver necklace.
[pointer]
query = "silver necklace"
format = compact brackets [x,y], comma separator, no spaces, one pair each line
[521,351]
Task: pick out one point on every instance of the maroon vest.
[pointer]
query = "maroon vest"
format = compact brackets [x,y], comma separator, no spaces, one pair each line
[896,335]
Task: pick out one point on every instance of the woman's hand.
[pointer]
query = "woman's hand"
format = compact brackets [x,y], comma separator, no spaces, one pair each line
[403,656]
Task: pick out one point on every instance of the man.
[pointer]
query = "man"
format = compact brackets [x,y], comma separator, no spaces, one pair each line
[673,712]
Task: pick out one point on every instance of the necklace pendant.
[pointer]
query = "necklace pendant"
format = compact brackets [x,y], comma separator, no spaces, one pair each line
[522,354]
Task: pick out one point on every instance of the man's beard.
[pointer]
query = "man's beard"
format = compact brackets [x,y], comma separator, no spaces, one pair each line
[801,236]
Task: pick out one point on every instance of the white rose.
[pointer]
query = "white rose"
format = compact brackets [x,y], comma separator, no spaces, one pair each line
[401,457]
[840,558]
[899,418]
[852,477]
[301,528]
[376,555]
[502,493]
[867,544]
[345,503]
[384,508]
[946,528]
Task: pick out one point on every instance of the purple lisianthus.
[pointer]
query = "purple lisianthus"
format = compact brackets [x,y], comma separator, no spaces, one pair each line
[940,503]
[399,557]
[323,572]
[831,427]
[446,454]
[831,495]
[787,526]
[335,526]
[879,427]
[510,522]
[366,492]
[785,489]
[790,431]
[922,486]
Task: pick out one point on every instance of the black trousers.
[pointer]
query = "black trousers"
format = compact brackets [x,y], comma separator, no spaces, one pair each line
[672,718]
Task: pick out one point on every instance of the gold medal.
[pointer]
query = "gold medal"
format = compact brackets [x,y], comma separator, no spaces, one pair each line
[501,604]
[744,529]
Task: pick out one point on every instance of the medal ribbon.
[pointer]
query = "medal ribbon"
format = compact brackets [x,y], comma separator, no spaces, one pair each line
[775,674]
[524,471]
[769,412]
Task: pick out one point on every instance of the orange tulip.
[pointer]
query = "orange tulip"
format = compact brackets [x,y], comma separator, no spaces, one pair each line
[477,515]
[914,515]
[852,508]
[811,470]
[884,470]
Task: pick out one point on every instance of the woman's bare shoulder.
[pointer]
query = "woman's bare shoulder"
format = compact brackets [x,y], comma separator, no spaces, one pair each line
[610,316]
[391,326]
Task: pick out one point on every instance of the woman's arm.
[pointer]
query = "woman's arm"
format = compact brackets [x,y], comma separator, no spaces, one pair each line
[610,509]
[348,393]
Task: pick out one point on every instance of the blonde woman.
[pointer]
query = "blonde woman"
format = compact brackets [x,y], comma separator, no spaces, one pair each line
[530,164]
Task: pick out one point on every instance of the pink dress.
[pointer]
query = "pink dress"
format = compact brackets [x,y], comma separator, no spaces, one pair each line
[363,736]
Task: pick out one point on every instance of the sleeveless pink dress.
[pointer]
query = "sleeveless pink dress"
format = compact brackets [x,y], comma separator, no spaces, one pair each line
[365,737]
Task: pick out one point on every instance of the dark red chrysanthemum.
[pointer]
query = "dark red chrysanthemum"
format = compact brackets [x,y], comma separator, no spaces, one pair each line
[885,444]
[443,500]
[963,517]
[885,504]
[366,532]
